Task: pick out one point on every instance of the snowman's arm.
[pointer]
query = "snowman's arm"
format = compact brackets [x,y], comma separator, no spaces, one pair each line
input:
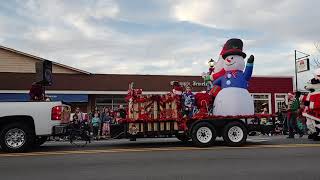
[248,71]
[217,82]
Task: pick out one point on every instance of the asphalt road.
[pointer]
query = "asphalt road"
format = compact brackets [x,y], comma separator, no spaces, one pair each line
[262,158]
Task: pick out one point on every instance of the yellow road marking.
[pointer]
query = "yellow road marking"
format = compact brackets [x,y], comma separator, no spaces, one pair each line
[121,150]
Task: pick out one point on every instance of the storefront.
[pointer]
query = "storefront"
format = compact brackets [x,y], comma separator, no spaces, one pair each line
[87,91]
[109,90]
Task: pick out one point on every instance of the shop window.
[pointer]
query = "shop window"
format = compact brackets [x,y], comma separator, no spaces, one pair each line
[110,101]
[281,101]
[261,101]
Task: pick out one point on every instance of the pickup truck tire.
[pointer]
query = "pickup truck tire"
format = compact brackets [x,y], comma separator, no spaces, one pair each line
[235,134]
[16,137]
[203,134]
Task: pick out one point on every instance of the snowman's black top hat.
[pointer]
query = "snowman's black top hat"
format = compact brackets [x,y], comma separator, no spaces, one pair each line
[233,47]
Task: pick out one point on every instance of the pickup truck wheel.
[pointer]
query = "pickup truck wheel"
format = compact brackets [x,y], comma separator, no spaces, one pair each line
[234,134]
[16,138]
[203,134]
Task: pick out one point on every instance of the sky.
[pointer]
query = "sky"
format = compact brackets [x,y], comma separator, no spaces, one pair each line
[171,37]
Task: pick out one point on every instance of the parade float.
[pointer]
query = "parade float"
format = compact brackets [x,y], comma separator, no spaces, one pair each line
[225,109]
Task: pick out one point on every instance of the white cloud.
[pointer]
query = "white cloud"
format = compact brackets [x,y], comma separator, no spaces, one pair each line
[194,11]
[116,37]
[282,19]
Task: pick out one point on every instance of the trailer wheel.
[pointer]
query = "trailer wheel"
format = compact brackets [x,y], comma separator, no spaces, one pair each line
[203,134]
[16,137]
[234,134]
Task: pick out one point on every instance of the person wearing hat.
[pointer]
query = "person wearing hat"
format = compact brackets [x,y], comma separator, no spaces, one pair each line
[36,92]
[293,107]
[176,88]
[234,98]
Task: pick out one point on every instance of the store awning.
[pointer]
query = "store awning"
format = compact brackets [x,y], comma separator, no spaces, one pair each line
[11,97]
[69,97]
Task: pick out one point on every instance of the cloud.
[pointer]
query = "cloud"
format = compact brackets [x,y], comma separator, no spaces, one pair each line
[283,17]
[159,36]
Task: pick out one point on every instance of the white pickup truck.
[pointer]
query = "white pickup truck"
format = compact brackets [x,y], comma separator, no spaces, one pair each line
[24,125]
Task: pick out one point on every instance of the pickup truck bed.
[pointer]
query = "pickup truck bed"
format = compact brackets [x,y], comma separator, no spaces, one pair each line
[25,124]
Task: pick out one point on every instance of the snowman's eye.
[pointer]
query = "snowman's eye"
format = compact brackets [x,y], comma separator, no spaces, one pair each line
[231,57]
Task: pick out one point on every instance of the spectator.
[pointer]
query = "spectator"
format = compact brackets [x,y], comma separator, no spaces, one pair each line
[113,113]
[122,112]
[293,108]
[301,121]
[264,121]
[106,120]
[36,92]
[79,114]
[265,109]
[95,123]
[117,118]
[284,117]
[75,118]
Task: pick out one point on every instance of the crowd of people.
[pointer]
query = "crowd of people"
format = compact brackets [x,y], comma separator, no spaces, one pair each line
[289,119]
[295,122]
[100,121]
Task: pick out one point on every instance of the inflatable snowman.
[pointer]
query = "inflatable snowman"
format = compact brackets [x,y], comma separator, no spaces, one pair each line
[234,98]
[312,106]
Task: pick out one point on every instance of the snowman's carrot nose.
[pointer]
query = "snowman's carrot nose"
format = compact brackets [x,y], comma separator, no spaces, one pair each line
[228,60]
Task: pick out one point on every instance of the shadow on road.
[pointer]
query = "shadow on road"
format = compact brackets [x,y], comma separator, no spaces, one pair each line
[125,144]
[159,143]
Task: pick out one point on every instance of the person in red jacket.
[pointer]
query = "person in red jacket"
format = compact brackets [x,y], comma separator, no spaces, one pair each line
[176,88]
[36,92]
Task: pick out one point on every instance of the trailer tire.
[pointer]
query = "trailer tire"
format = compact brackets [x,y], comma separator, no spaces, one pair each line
[16,137]
[234,134]
[203,134]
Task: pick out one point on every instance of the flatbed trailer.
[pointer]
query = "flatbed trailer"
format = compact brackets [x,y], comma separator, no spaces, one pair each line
[162,116]
[203,132]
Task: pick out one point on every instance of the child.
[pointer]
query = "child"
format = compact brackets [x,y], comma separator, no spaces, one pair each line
[188,102]
[95,122]
[118,118]
[278,129]
[106,121]
[75,119]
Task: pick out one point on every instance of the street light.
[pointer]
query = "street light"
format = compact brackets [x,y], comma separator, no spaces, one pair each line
[295,64]
[211,62]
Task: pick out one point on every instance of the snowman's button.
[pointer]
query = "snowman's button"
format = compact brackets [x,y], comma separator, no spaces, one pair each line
[228,82]
[229,76]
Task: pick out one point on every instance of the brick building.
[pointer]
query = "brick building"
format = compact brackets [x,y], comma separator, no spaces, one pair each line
[87,90]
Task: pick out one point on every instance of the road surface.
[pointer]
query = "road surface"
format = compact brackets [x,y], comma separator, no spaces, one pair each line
[262,158]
